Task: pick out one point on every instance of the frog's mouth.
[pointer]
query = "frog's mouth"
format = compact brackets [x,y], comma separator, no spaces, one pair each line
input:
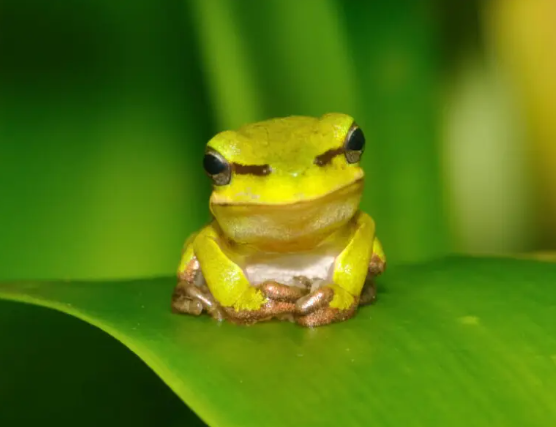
[353,186]
[294,226]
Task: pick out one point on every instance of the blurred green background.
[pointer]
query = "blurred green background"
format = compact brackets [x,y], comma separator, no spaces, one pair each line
[105,107]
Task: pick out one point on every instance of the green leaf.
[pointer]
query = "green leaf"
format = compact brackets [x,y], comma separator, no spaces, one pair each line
[57,370]
[458,342]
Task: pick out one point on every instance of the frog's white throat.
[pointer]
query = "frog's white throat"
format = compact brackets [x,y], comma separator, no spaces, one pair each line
[286,268]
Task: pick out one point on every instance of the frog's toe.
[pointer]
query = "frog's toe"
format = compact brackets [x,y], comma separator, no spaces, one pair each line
[187,306]
[325,315]
[324,306]
[269,310]
[368,294]
[314,301]
[206,299]
[182,303]
[277,292]
[377,266]
[191,299]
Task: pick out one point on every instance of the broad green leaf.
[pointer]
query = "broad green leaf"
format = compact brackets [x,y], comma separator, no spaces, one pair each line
[458,342]
[56,370]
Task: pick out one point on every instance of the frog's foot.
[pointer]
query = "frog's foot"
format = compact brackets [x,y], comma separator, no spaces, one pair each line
[191,271]
[376,266]
[326,305]
[279,302]
[189,298]
[368,294]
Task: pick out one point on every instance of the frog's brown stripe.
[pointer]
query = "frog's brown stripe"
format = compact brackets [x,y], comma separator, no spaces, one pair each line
[259,170]
[326,157]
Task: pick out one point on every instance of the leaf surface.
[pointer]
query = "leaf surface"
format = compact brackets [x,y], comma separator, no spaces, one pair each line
[458,341]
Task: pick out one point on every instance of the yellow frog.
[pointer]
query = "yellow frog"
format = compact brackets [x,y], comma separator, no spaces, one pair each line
[287,240]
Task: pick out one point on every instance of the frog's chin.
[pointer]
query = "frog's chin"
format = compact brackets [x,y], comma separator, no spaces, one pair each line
[293,227]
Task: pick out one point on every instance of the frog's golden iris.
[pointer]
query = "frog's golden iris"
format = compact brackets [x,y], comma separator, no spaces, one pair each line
[285,186]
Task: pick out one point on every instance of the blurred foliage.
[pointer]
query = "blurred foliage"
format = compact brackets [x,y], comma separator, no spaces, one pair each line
[102,120]
[523,34]
[107,106]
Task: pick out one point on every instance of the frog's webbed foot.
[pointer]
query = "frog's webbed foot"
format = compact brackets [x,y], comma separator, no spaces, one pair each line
[315,310]
[182,303]
[376,266]
[368,294]
[189,298]
[279,303]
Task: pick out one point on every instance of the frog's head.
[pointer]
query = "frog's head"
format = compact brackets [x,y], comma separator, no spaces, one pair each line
[288,183]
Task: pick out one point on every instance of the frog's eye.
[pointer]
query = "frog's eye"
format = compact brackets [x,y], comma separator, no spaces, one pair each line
[217,167]
[355,144]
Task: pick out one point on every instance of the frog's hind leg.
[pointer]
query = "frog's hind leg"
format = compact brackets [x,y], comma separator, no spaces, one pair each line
[377,265]
[182,303]
[192,296]
[368,294]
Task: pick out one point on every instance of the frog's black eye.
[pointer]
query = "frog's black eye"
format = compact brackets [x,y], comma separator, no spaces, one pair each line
[355,144]
[217,167]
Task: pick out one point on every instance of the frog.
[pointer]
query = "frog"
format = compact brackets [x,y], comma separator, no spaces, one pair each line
[287,239]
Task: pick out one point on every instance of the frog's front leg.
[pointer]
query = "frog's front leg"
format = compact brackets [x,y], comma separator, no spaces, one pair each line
[339,301]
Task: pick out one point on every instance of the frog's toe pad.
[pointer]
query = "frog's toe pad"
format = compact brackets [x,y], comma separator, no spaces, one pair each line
[189,298]
[368,294]
[187,306]
[275,291]
[317,308]
[182,303]
[377,266]
[271,309]
[325,315]
[314,301]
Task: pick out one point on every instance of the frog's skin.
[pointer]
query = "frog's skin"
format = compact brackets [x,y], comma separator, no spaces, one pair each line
[288,239]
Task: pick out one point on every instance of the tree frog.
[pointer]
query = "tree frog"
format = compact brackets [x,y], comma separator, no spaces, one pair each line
[287,239]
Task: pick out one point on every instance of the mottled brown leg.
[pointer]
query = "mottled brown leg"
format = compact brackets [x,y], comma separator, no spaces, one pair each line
[376,266]
[192,298]
[190,272]
[204,296]
[293,303]
[278,292]
[280,303]
[314,301]
[189,298]
[368,294]
[313,310]
[326,315]
[182,303]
